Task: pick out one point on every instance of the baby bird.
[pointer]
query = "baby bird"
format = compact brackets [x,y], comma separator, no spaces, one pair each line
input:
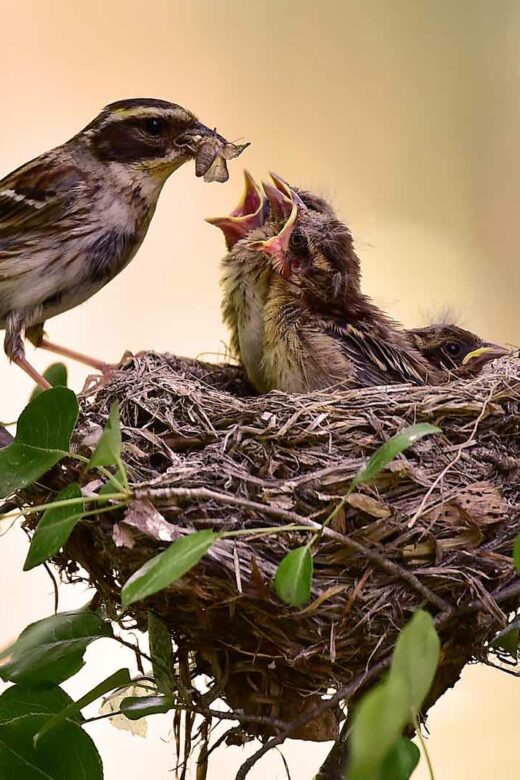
[245,272]
[74,217]
[319,328]
[244,279]
[454,349]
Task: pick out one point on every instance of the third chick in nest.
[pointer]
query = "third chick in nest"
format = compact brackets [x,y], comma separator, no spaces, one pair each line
[454,349]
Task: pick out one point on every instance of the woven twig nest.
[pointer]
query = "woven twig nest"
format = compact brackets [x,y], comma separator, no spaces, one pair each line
[437,528]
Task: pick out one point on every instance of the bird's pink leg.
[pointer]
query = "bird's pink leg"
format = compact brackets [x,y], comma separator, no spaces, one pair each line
[99,365]
[24,364]
[14,350]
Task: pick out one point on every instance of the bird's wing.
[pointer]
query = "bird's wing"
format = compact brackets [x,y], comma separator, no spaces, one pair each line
[376,359]
[34,198]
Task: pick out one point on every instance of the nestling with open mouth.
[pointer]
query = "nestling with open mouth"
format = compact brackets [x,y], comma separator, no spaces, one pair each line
[260,215]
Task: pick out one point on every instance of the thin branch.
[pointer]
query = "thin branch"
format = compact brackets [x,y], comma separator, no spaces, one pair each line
[379,560]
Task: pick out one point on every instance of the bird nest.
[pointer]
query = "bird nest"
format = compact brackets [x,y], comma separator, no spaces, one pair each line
[436,529]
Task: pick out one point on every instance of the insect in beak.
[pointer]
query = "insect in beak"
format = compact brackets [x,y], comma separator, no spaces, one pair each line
[210,150]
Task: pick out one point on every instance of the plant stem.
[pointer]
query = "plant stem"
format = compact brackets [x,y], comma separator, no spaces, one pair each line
[66,502]
[106,473]
[277,529]
[424,749]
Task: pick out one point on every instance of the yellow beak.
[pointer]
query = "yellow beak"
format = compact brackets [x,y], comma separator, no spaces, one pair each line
[483,355]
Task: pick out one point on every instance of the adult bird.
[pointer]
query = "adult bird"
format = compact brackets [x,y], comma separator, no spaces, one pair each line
[454,349]
[73,218]
[319,328]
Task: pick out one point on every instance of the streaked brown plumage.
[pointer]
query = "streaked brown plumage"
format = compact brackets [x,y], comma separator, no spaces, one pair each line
[319,328]
[249,285]
[73,218]
[245,272]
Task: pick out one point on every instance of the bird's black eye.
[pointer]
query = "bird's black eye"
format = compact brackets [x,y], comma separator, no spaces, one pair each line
[453,349]
[297,242]
[154,126]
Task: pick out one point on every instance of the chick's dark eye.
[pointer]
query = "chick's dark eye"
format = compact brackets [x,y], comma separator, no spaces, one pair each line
[153,126]
[297,242]
[453,349]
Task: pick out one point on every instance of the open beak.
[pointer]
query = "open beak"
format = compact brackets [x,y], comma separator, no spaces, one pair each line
[281,204]
[248,215]
[285,188]
[277,247]
[479,357]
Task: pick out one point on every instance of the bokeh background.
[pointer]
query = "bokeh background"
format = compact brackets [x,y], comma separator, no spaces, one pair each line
[405,112]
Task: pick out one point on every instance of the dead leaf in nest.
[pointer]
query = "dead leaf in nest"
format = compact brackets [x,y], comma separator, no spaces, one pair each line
[257,581]
[369,505]
[469,511]
[327,594]
[339,521]
[277,499]
[477,505]
[123,536]
[483,503]
[142,514]
[435,547]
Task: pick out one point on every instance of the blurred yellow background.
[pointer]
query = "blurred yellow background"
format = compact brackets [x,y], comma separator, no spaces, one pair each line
[405,112]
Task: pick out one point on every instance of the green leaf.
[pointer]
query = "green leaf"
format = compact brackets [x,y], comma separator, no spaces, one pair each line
[390,449]
[68,752]
[379,718]
[117,680]
[415,659]
[516,554]
[135,707]
[507,640]
[56,375]
[17,701]
[54,528]
[400,761]
[181,556]
[293,579]
[161,651]
[51,650]
[383,712]
[108,450]
[42,439]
